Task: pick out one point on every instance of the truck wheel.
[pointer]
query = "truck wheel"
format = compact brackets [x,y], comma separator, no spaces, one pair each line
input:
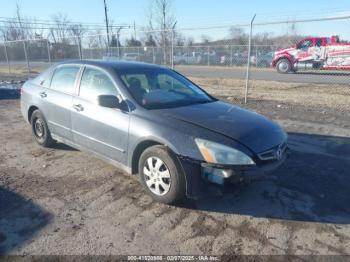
[40,130]
[284,66]
[161,175]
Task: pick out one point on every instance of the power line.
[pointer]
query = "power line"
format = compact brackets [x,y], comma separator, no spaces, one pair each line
[52,25]
[14,20]
[67,24]
[60,28]
[290,15]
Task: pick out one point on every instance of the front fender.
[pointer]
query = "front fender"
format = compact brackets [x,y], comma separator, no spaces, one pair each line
[178,135]
[284,55]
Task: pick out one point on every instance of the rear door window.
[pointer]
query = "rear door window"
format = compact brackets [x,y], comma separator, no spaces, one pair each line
[63,79]
[44,78]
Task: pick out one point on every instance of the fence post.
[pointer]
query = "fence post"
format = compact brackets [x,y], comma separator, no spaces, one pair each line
[256,56]
[48,51]
[231,54]
[208,55]
[26,56]
[7,59]
[79,49]
[248,62]
[172,44]
[118,47]
[154,58]
[138,54]
[172,48]
[188,54]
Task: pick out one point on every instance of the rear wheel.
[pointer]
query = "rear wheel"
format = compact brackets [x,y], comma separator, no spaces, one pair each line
[161,175]
[284,66]
[40,131]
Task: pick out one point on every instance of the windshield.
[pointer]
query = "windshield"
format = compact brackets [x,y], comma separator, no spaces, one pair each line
[162,88]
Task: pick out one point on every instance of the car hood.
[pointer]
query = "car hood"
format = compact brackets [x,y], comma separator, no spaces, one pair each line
[248,128]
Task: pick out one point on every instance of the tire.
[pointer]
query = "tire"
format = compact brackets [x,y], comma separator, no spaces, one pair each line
[284,66]
[164,181]
[40,130]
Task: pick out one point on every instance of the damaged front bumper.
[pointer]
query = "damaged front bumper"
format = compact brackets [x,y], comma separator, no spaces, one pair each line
[205,179]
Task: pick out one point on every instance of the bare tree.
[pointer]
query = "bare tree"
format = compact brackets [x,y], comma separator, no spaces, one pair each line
[18,28]
[77,31]
[205,39]
[161,19]
[21,31]
[61,28]
[238,35]
[190,41]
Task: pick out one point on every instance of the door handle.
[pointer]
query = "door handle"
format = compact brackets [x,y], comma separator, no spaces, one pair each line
[78,107]
[43,94]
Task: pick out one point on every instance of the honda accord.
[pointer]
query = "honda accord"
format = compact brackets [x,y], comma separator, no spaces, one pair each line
[151,121]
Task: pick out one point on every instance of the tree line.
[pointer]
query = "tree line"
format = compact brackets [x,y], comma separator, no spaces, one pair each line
[60,31]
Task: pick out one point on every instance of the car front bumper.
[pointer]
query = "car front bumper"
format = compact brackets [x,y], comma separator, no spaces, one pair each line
[204,179]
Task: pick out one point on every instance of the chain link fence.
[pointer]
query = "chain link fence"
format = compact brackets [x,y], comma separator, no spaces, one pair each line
[233,62]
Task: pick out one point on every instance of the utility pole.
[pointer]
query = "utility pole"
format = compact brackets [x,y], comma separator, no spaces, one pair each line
[118,36]
[106,18]
[134,29]
[172,45]
[248,62]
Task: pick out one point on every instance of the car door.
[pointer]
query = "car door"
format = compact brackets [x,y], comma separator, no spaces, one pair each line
[56,100]
[100,129]
[305,49]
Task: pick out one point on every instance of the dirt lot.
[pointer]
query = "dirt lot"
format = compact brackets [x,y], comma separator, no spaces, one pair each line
[62,201]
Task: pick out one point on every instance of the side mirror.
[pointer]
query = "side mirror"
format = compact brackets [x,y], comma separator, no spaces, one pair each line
[110,101]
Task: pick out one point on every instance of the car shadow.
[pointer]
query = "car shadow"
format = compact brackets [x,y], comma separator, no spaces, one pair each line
[20,220]
[63,147]
[312,185]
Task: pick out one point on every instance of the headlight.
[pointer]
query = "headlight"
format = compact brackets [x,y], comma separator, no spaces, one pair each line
[215,153]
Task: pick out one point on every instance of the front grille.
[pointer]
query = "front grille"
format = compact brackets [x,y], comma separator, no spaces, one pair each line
[275,153]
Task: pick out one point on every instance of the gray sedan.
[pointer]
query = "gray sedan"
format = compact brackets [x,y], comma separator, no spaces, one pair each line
[151,121]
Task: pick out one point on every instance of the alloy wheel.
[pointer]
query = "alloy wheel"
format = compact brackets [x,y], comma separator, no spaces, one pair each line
[157,176]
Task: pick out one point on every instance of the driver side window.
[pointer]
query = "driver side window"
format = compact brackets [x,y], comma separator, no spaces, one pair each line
[305,44]
[95,83]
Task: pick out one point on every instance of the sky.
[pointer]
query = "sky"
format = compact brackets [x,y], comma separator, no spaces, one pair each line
[195,13]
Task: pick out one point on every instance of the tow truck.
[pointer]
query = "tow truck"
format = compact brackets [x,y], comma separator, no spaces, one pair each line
[324,53]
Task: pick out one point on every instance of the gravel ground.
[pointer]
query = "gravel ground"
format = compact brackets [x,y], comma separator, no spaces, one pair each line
[63,201]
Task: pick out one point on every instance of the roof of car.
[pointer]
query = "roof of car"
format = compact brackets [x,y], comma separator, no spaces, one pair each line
[121,65]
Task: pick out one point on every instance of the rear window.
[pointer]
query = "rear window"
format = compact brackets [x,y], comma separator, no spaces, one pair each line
[63,79]
[44,78]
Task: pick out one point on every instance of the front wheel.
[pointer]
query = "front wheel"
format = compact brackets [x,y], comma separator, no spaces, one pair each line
[161,175]
[284,66]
